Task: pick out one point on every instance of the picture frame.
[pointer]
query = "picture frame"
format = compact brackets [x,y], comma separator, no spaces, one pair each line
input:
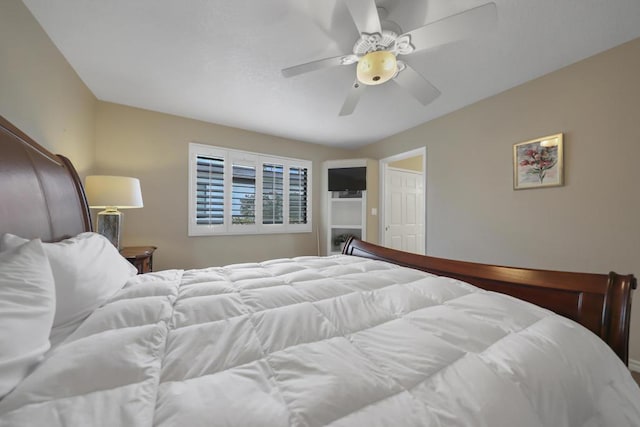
[538,163]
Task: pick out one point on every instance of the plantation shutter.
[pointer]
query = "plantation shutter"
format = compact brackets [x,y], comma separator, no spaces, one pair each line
[272,193]
[239,192]
[298,193]
[243,195]
[209,190]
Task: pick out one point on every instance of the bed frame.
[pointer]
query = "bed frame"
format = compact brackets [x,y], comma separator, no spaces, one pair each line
[600,302]
[41,196]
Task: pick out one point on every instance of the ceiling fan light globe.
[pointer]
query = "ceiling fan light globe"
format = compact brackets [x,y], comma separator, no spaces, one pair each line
[376,67]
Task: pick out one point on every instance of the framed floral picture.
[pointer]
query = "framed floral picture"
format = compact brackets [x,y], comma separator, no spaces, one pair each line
[538,163]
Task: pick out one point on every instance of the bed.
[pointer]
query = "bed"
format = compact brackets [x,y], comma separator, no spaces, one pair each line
[369,337]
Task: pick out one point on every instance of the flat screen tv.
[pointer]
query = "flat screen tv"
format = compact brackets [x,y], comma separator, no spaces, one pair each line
[348,179]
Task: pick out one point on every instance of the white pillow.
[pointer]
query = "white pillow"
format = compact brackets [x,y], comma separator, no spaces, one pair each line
[87,270]
[27,307]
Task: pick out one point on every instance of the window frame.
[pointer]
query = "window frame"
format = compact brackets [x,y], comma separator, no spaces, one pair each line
[245,158]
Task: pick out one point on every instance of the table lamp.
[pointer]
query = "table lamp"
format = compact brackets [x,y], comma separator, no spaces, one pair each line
[112,193]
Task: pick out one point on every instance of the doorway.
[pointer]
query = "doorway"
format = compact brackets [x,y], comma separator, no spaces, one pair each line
[403,204]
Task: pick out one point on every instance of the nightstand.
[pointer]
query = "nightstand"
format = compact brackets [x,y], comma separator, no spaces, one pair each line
[140,256]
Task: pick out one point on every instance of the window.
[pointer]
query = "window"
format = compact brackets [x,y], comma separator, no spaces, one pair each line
[298,195]
[272,193]
[243,195]
[209,190]
[238,192]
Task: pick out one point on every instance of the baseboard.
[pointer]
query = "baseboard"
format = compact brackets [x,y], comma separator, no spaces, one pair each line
[634,365]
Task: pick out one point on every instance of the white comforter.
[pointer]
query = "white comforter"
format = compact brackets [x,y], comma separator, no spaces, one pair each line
[323,341]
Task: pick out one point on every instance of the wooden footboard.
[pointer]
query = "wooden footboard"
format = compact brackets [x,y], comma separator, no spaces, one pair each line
[600,302]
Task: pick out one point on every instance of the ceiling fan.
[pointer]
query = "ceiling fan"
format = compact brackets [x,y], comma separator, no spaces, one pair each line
[377,49]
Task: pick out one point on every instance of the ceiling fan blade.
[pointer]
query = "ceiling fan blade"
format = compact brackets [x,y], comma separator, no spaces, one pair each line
[352,99]
[314,65]
[417,85]
[455,27]
[365,15]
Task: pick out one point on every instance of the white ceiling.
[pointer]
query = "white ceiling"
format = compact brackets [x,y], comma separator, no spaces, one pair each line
[220,60]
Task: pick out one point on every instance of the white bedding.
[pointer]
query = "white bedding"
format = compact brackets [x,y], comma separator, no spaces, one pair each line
[322,341]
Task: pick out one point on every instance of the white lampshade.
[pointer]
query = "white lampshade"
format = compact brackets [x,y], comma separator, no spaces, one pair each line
[120,192]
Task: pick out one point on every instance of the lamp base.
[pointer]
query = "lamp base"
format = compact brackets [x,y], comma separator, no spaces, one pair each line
[110,225]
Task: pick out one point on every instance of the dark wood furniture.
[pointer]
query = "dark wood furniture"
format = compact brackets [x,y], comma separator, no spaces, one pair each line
[600,302]
[140,256]
[40,192]
[41,196]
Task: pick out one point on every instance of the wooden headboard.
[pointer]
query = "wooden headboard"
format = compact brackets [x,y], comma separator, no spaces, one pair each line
[41,195]
[599,302]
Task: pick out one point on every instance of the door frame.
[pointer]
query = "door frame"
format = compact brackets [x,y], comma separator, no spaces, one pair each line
[384,165]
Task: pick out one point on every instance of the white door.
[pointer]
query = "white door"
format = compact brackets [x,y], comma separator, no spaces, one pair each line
[404,216]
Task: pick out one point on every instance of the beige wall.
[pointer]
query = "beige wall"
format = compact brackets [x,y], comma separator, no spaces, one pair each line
[154,148]
[373,192]
[411,163]
[39,92]
[589,224]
